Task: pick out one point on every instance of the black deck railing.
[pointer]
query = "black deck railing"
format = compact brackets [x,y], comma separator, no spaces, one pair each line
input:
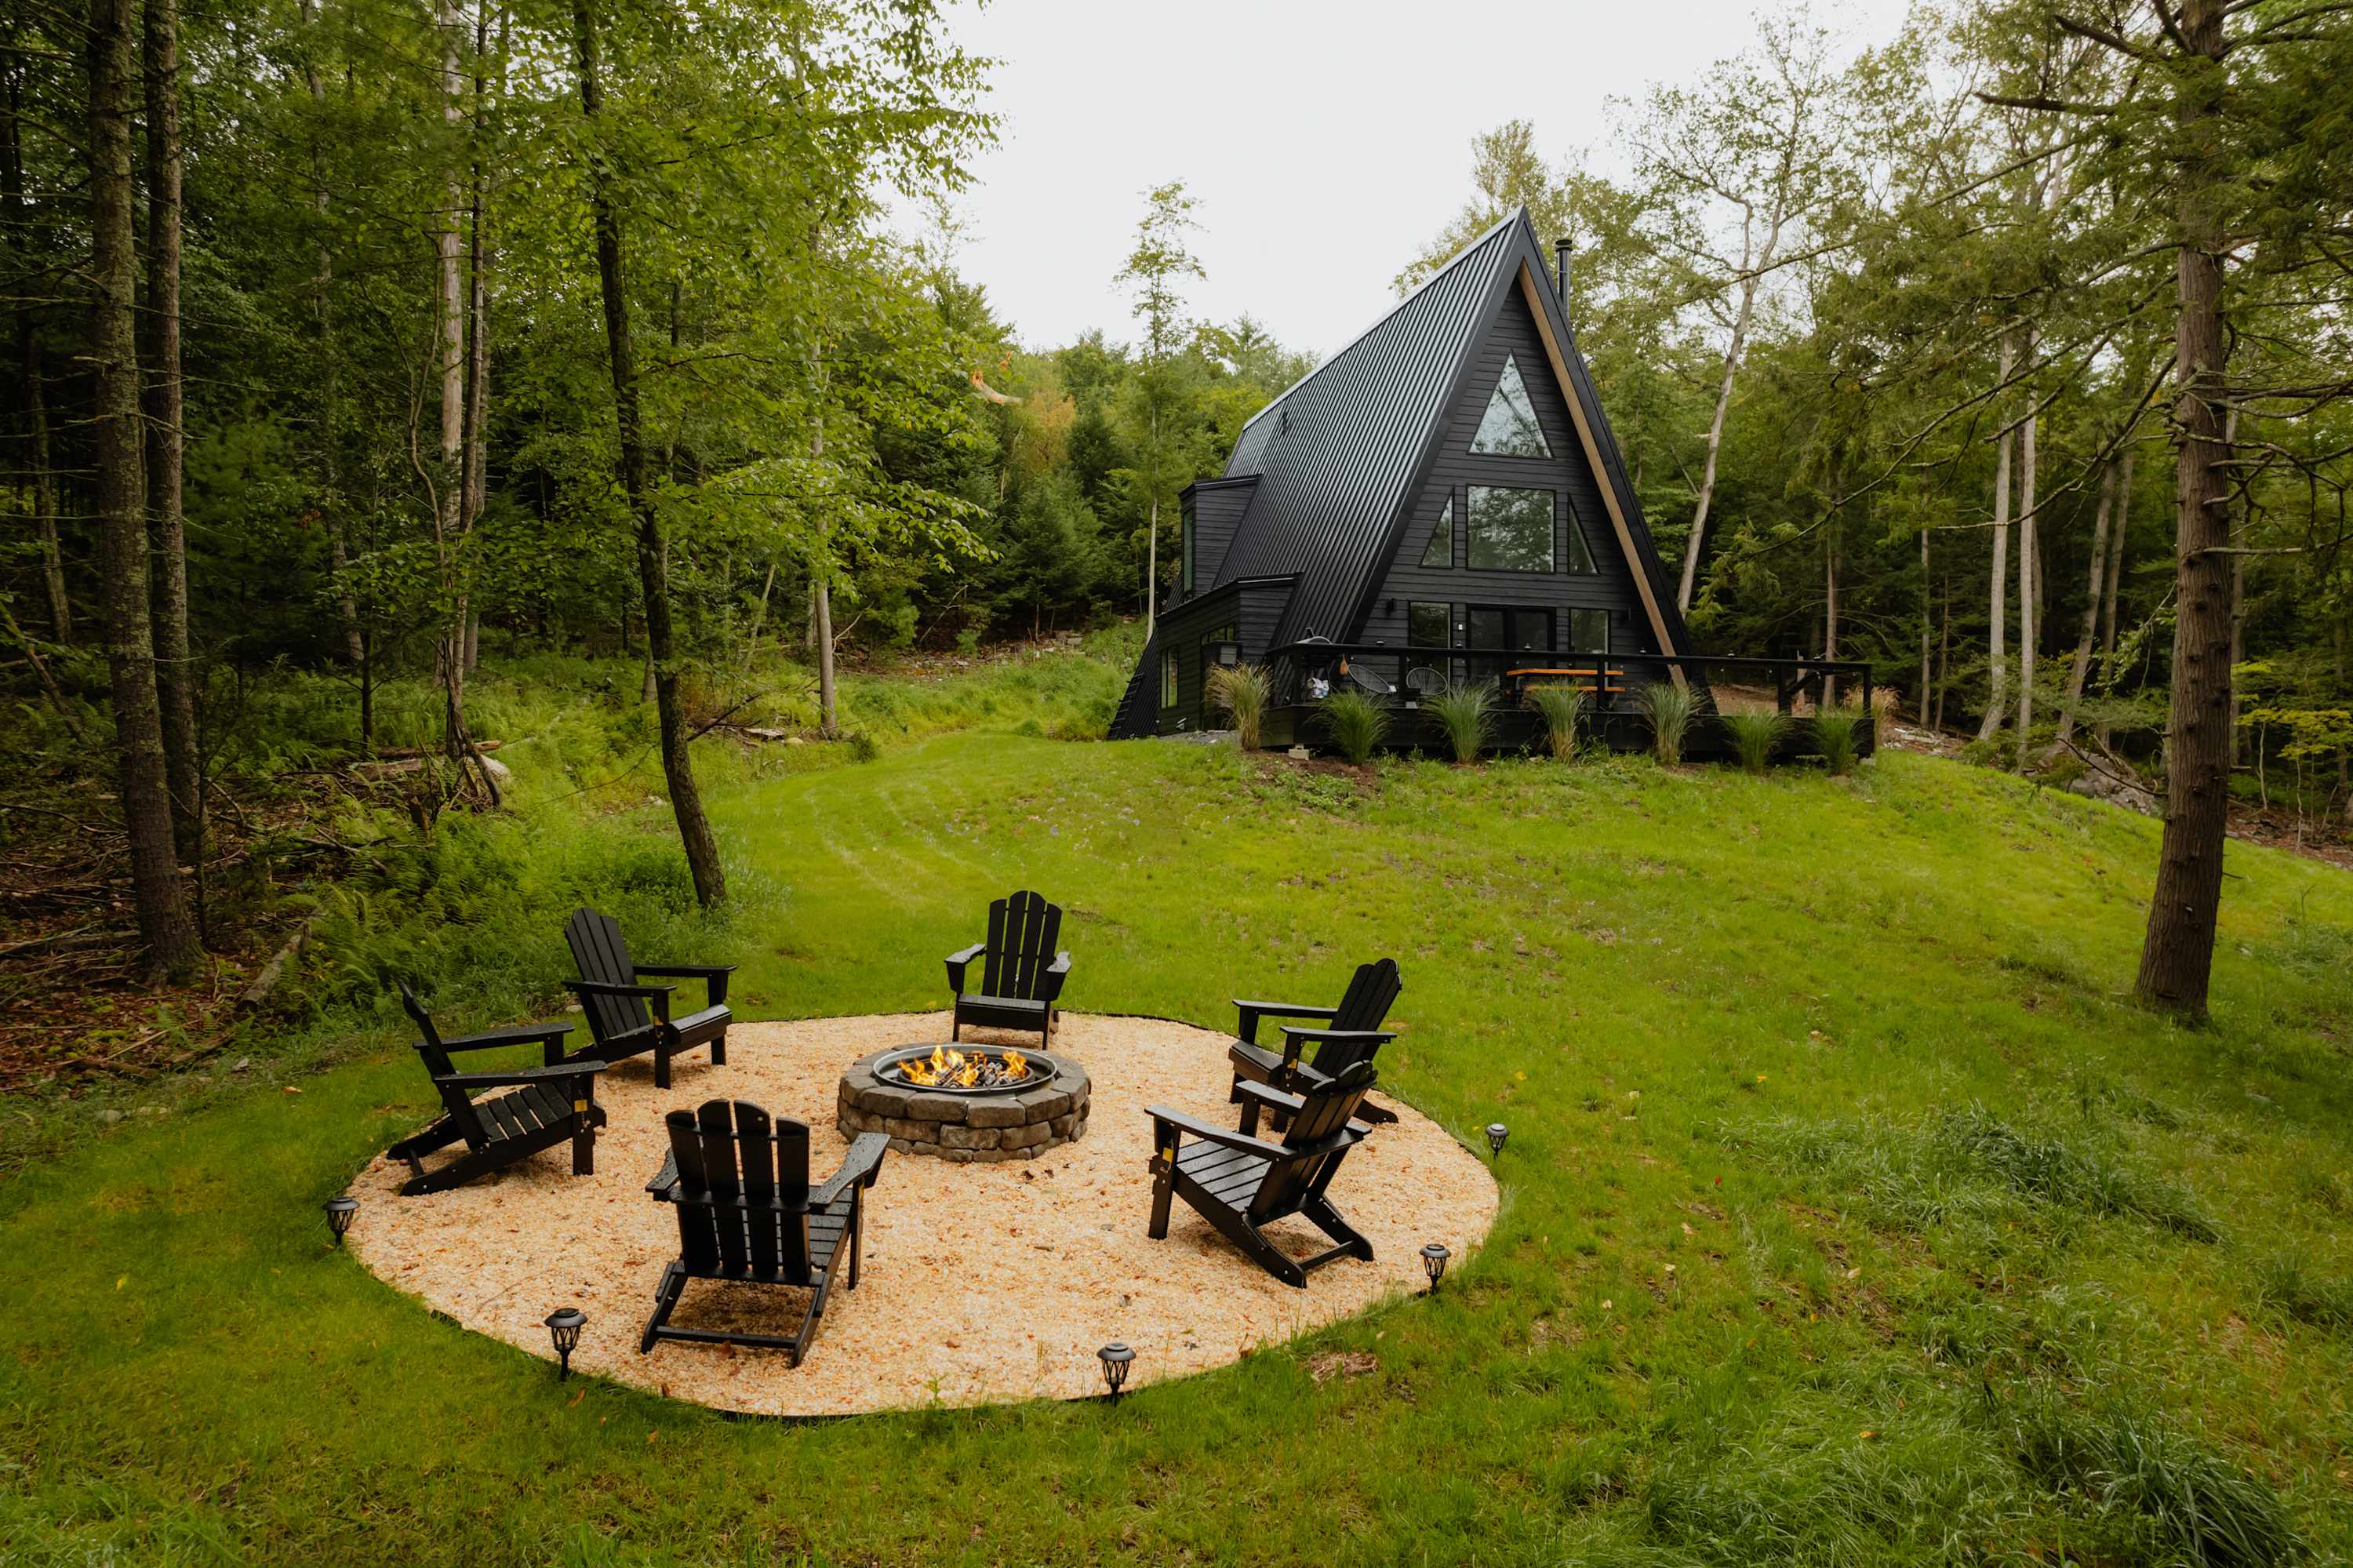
[1307,672]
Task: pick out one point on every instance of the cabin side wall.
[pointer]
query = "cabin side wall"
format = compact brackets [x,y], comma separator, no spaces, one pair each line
[1251,610]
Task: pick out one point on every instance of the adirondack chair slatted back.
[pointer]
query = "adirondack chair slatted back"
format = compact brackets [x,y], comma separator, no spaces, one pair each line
[1321,1114]
[1371,993]
[754,1173]
[602,955]
[461,1110]
[1021,934]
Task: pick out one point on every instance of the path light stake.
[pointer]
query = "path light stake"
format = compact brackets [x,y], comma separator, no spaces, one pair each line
[1116,1358]
[1433,1262]
[340,1210]
[564,1326]
[1496,1133]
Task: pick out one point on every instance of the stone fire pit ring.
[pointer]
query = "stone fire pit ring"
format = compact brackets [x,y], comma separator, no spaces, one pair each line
[962,1126]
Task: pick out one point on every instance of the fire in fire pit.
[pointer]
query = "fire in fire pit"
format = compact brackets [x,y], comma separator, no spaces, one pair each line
[949,1068]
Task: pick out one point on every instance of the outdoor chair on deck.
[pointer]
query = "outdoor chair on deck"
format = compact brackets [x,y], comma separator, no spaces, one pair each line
[1350,1032]
[1240,1182]
[1021,974]
[550,1103]
[613,994]
[747,1215]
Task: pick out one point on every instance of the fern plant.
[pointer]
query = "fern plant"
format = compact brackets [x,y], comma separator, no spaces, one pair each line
[1753,737]
[1240,692]
[1563,711]
[1834,731]
[1670,709]
[1355,723]
[1468,715]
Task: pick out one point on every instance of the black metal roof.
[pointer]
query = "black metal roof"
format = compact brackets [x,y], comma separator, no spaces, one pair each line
[1340,456]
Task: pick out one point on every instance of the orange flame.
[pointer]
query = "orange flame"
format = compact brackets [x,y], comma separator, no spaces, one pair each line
[953,1067]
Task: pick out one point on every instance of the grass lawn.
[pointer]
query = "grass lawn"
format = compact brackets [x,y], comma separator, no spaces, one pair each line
[1851,1214]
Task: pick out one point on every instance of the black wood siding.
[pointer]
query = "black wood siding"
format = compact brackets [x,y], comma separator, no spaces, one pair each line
[1457,468]
[1213,508]
[1253,609]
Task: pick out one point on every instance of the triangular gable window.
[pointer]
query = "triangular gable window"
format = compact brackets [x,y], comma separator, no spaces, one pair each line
[1440,551]
[1509,428]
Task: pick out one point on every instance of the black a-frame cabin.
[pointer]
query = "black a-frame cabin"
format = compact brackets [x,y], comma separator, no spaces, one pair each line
[1447,481]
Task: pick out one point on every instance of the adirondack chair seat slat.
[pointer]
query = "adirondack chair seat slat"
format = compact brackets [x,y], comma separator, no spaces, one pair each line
[1240,1182]
[1021,971]
[1351,1032]
[747,1215]
[614,999]
[543,1107]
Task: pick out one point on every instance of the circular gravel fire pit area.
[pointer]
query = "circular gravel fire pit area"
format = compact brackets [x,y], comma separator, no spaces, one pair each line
[969,1104]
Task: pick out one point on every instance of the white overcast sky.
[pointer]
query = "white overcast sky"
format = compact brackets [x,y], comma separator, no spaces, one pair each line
[1326,143]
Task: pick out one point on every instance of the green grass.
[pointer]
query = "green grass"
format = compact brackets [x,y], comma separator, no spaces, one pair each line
[1851,1214]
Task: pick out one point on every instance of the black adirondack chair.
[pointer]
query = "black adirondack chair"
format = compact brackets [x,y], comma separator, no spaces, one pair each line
[747,1215]
[1020,987]
[550,1103]
[614,995]
[1239,1181]
[1350,1033]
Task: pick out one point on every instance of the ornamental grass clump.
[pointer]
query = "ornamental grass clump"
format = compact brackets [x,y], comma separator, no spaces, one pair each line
[1753,737]
[1467,712]
[1355,723]
[1240,692]
[1670,709]
[1563,710]
[1834,730]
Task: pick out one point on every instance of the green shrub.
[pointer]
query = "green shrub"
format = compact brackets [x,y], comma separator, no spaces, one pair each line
[1834,731]
[1563,708]
[1240,692]
[1753,736]
[1355,722]
[1671,708]
[1468,713]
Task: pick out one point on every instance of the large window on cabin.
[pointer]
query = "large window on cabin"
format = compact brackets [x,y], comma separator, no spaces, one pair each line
[1509,427]
[1515,630]
[1440,549]
[1511,530]
[1580,559]
[1589,631]
[1168,678]
[1428,625]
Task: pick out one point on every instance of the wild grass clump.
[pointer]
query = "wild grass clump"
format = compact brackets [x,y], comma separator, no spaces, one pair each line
[1467,712]
[1834,733]
[1355,723]
[1753,737]
[2285,1287]
[1563,710]
[2053,1171]
[1240,692]
[1671,708]
[2157,1493]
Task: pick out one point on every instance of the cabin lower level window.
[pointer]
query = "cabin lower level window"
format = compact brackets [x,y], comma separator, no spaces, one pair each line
[1168,678]
[1516,630]
[1589,631]
[1428,625]
[1511,530]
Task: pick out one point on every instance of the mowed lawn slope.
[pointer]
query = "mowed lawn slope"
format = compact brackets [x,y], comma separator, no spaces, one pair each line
[1850,1213]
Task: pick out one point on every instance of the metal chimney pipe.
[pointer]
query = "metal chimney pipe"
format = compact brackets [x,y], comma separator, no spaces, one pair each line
[1561,249]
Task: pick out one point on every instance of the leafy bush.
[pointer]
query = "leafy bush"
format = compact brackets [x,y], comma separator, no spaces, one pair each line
[1563,708]
[1468,715]
[1834,733]
[1753,736]
[1355,722]
[1240,692]
[1670,709]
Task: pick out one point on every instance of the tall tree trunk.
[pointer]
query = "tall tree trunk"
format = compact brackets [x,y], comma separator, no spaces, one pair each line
[1830,610]
[40,482]
[2081,666]
[686,801]
[160,355]
[474,488]
[347,608]
[821,584]
[1152,540]
[2177,957]
[2115,577]
[1926,606]
[2030,560]
[1997,629]
[164,929]
[449,480]
[1732,353]
[2238,605]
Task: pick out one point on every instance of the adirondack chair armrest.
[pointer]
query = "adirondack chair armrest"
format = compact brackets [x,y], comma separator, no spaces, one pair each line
[517,1076]
[1251,1011]
[1295,1039]
[1273,1098]
[860,1167]
[524,1035]
[956,962]
[1209,1132]
[712,976]
[1049,984]
[657,994]
[664,1178]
